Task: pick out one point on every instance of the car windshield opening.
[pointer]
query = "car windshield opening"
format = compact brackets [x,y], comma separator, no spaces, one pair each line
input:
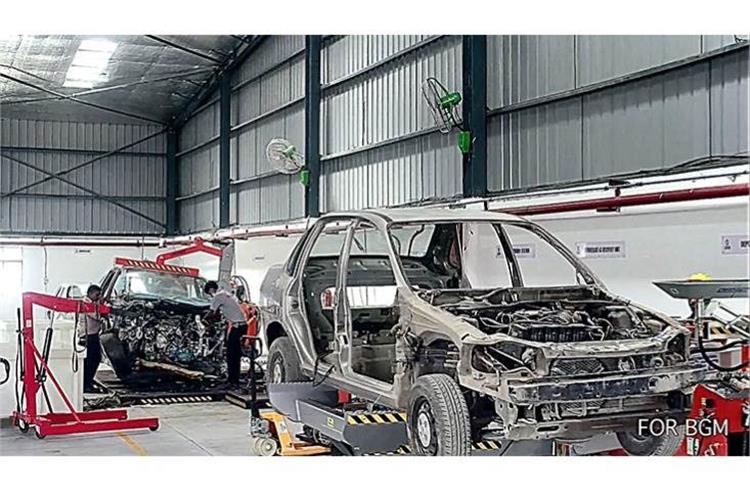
[160,285]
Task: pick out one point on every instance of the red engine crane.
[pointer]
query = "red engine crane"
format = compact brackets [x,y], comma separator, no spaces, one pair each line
[35,369]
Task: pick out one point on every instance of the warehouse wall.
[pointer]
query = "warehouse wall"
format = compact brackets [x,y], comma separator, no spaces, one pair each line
[377,143]
[561,109]
[134,178]
[651,123]
[267,102]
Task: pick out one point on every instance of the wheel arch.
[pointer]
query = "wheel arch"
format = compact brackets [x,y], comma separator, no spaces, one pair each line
[274,330]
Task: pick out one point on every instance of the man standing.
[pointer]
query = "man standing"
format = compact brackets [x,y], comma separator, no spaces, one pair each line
[224,303]
[93,324]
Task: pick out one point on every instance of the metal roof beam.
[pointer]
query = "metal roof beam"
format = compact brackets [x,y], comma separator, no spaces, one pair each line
[239,55]
[185,49]
[72,98]
[120,86]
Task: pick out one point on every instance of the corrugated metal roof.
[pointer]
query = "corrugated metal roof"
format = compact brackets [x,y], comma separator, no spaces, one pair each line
[44,60]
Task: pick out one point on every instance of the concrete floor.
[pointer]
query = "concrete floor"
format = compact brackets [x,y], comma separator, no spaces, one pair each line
[191,429]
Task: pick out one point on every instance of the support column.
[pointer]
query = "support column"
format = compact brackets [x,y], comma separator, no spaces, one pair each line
[312,124]
[225,106]
[475,114]
[173,183]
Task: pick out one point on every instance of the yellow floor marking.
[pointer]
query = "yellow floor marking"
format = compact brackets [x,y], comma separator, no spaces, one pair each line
[134,446]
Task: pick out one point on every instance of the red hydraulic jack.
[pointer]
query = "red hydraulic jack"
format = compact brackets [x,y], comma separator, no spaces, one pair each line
[197,247]
[35,364]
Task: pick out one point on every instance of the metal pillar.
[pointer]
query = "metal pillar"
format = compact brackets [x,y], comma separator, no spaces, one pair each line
[225,98]
[172,182]
[312,124]
[475,114]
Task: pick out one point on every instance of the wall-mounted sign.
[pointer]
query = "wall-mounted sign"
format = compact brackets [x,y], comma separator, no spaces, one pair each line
[521,251]
[524,250]
[600,250]
[735,244]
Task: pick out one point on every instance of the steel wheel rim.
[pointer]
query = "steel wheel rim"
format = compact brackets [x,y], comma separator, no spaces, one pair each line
[424,426]
[277,373]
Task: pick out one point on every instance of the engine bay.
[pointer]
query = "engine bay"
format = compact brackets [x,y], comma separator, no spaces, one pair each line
[169,332]
[548,316]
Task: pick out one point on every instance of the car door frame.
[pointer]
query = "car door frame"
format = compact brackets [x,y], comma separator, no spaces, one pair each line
[341,299]
[295,313]
[357,384]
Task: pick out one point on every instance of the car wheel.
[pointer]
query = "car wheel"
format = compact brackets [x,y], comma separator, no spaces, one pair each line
[283,362]
[651,445]
[115,352]
[438,418]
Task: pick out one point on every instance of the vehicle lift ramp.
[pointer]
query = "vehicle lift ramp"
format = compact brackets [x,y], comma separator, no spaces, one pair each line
[353,429]
[356,432]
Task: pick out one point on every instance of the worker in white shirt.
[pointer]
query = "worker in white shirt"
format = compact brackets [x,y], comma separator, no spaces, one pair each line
[93,324]
[225,304]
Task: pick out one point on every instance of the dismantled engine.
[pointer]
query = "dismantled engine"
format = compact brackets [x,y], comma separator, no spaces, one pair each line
[170,332]
[556,320]
[560,321]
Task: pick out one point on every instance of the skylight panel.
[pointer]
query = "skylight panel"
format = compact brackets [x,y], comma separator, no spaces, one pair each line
[89,64]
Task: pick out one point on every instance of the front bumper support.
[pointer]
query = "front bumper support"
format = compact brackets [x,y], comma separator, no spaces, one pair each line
[552,390]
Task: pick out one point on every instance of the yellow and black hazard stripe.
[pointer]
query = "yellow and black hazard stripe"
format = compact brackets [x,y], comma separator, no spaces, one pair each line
[375,418]
[486,446]
[476,446]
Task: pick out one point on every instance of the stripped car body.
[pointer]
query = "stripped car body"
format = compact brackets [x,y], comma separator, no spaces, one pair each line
[562,361]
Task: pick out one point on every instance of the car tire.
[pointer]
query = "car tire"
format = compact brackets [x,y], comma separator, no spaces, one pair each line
[283,362]
[438,418]
[651,445]
[117,355]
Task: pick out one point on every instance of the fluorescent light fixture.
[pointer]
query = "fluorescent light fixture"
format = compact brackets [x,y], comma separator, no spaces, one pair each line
[90,63]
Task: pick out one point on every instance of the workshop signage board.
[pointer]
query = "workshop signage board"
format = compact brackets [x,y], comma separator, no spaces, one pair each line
[735,244]
[520,250]
[600,250]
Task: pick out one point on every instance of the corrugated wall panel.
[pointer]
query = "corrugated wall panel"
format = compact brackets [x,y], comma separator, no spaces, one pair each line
[520,68]
[604,57]
[540,145]
[199,170]
[124,175]
[81,215]
[71,135]
[342,57]
[387,103]
[382,105]
[712,42]
[414,170]
[248,203]
[729,105]
[135,177]
[272,51]
[200,128]
[200,213]
[653,123]
[270,79]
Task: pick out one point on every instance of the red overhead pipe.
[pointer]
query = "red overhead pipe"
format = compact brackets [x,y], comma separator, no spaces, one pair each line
[611,203]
